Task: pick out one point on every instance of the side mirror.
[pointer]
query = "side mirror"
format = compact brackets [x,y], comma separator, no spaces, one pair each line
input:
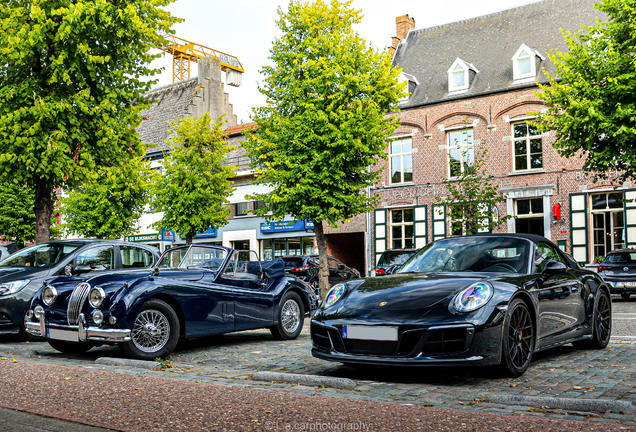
[82,268]
[552,268]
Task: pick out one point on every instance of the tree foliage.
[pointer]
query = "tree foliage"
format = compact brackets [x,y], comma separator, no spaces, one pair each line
[195,183]
[71,83]
[325,122]
[17,220]
[109,204]
[591,96]
[472,198]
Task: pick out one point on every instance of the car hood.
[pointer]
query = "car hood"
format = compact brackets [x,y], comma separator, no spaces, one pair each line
[14,273]
[408,292]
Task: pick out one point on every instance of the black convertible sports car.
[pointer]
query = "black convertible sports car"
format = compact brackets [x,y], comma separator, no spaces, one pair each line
[195,290]
[475,300]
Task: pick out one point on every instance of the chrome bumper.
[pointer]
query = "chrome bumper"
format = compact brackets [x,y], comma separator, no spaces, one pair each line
[85,333]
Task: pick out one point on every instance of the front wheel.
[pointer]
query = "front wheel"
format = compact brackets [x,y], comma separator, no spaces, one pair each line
[155,333]
[517,339]
[602,325]
[70,347]
[291,317]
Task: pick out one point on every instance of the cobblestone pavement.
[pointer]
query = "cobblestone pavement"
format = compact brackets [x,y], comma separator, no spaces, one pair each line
[232,359]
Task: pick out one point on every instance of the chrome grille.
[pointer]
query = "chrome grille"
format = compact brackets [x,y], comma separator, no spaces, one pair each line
[76,301]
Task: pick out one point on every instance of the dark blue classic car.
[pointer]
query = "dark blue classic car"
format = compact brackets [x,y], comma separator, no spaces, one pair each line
[195,290]
[471,301]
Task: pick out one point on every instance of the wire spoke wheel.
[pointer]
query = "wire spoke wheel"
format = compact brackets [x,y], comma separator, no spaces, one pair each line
[151,331]
[290,316]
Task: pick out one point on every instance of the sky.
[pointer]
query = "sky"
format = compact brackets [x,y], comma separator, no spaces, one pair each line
[246,29]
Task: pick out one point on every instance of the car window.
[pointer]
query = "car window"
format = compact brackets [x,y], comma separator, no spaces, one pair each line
[40,255]
[293,262]
[544,253]
[194,256]
[389,258]
[621,258]
[243,265]
[134,257]
[333,262]
[97,258]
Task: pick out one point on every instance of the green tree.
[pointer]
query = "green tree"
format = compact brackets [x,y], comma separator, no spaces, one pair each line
[590,98]
[472,198]
[110,203]
[72,76]
[195,184]
[325,123]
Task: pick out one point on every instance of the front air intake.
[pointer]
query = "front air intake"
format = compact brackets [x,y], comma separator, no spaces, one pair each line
[76,301]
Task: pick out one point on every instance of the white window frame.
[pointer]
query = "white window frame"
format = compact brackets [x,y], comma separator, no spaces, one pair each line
[462,147]
[527,140]
[530,54]
[466,67]
[401,155]
[403,226]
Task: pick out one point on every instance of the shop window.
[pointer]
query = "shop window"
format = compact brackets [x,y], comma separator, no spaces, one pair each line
[461,152]
[529,216]
[401,161]
[402,228]
[608,222]
[528,149]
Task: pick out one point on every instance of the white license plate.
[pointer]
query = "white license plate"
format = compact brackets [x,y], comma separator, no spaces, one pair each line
[370,333]
[624,284]
[65,335]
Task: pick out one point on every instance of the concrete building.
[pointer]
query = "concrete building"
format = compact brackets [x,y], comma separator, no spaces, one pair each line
[473,87]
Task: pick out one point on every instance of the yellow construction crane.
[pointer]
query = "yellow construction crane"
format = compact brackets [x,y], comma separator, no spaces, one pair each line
[183,52]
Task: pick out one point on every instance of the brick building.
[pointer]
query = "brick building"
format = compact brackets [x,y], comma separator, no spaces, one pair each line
[473,87]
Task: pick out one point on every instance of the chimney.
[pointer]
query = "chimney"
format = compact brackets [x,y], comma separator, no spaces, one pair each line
[404,24]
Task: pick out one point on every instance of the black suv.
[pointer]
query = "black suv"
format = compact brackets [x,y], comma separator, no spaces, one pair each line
[305,268]
[619,271]
[392,259]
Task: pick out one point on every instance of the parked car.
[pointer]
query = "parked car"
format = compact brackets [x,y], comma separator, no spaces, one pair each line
[306,268]
[185,296]
[618,269]
[466,301]
[22,274]
[392,259]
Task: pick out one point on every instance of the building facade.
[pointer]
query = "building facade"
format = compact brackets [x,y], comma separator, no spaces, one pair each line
[473,90]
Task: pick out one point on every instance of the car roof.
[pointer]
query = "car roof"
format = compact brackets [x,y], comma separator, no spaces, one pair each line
[617,251]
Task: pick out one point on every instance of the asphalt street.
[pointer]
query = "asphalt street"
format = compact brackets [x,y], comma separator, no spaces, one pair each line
[563,384]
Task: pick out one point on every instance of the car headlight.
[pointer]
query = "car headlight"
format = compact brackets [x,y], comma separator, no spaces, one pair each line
[13,286]
[333,295]
[49,295]
[96,297]
[473,297]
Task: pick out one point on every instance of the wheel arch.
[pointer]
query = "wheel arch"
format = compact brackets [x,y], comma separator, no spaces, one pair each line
[176,307]
[527,299]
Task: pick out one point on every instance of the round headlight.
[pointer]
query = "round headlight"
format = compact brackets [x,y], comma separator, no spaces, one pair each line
[333,295]
[38,311]
[49,295]
[96,297]
[98,317]
[473,297]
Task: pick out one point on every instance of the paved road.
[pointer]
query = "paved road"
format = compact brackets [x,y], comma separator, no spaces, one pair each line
[232,360]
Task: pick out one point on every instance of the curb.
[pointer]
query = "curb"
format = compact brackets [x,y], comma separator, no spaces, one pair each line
[110,361]
[307,380]
[586,405]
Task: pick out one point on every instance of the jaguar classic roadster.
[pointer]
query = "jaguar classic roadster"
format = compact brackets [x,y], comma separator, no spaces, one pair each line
[194,291]
[466,301]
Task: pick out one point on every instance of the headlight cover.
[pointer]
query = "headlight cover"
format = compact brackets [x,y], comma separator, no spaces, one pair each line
[333,295]
[13,286]
[49,295]
[472,298]
[96,297]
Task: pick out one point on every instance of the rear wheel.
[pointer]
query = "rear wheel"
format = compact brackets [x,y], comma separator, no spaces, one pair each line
[155,333]
[602,324]
[518,339]
[291,317]
[70,347]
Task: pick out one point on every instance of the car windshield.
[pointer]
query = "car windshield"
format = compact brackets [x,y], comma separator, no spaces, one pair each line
[194,256]
[390,258]
[41,255]
[621,258]
[472,254]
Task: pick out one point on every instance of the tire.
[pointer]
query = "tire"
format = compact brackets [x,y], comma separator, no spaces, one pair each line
[70,347]
[601,325]
[155,332]
[291,316]
[518,339]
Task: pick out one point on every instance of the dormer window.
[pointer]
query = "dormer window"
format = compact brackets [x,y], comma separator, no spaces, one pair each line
[412,83]
[524,63]
[460,75]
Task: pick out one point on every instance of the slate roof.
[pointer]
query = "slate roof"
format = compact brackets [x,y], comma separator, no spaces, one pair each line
[172,103]
[489,42]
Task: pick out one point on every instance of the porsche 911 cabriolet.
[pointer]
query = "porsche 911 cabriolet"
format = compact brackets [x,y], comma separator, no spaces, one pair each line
[476,300]
[194,290]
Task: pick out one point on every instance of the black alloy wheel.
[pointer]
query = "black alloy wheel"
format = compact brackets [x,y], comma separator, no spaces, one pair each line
[602,325]
[518,339]
[70,347]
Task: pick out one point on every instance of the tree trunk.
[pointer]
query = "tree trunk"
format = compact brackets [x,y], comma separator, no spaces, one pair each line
[189,238]
[44,203]
[321,241]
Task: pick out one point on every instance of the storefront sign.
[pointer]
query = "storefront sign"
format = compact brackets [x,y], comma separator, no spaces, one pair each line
[143,237]
[167,235]
[286,226]
[211,232]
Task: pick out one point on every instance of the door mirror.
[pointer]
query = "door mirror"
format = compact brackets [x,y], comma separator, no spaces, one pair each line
[341,267]
[552,268]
